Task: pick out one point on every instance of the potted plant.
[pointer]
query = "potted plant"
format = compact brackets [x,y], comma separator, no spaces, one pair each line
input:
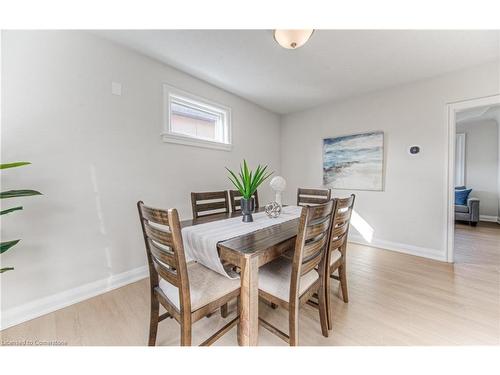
[4,246]
[247,183]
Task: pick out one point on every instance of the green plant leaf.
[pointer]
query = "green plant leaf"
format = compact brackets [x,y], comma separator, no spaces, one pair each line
[2,270]
[13,165]
[236,182]
[242,180]
[249,190]
[257,179]
[4,246]
[248,176]
[9,210]
[18,193]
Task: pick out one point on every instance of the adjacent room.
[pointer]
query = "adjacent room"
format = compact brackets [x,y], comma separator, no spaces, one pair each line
[254,187]
[477,187]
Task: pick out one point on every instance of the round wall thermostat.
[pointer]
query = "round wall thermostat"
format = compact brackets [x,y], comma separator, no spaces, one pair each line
[413,150]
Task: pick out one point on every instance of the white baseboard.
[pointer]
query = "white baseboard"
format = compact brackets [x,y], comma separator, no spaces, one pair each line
[400,247]
[69,297]
[493,219]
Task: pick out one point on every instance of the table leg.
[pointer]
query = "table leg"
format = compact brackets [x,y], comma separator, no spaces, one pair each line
[248,329]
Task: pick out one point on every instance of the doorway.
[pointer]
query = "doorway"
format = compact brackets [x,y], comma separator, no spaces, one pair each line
[473,216]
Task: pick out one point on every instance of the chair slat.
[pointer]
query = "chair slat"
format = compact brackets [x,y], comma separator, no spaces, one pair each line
[162,255]
[171,276]
[311,264]
[312,200]
[155,215]
[322,192]
[318,212]
[316,229]
[314,247]
[311,197]
[218,201]
[210,195]
[341,217]
[340,230]
[337,242]
[343,203]
[158,235]
[202,207]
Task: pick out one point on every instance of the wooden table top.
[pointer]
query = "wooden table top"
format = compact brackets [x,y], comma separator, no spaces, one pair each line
[252,243]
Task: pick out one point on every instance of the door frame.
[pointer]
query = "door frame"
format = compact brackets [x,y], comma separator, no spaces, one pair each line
[452,109]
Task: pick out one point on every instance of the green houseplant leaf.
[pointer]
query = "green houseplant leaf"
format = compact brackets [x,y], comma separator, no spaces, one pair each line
[13,165]
[4,246]
[18,193]
[9,210]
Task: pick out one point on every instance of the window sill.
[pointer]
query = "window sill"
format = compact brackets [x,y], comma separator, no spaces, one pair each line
[188,141]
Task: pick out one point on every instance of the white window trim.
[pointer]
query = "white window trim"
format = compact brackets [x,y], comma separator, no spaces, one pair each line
[171,137]
[460,159]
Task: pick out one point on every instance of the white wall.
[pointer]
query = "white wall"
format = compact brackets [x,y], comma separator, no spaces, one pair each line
[94,156]
[481,163]
[410,213]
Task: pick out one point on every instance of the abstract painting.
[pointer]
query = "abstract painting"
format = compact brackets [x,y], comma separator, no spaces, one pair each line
[354,161]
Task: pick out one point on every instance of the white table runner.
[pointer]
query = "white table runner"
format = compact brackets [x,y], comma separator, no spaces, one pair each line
[200,241]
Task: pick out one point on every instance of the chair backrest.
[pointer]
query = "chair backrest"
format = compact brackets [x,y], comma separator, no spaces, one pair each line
[312,197]
[342,211]
[209,203]
[165,250]
[235,199]
[311,243]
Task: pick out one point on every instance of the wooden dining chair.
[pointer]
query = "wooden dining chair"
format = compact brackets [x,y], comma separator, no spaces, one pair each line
[235,199]
[312,197]
[209,203]
[187,291]
[337,247]
[290,283]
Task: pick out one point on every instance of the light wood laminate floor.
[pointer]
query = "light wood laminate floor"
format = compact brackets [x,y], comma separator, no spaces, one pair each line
[395,299]
[477,245]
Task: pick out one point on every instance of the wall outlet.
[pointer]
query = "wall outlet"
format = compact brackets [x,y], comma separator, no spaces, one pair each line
[116,88]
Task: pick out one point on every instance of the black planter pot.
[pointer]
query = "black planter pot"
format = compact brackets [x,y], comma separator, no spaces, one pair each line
[247,207]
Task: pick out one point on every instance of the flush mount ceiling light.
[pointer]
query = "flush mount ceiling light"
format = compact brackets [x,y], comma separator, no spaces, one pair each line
[292,39]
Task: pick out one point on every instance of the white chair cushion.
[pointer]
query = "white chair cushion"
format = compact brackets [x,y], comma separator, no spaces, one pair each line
[274,278]
[205,286]
[336,255]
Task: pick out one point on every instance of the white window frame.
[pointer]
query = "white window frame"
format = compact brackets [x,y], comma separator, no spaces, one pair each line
[171,94]
[460,159]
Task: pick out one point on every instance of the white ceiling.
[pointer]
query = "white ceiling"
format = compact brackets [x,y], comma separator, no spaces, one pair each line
[479,114]
[334,64]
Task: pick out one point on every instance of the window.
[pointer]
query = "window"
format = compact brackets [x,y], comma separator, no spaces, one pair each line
[194,121]
[460,159]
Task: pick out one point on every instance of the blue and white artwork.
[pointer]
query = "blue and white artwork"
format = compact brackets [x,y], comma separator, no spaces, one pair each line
[354,161]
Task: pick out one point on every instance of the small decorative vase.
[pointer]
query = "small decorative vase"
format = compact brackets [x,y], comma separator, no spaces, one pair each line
[247,207]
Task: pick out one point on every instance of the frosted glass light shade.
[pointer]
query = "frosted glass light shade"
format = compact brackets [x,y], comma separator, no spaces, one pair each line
[278,184]
[292,39]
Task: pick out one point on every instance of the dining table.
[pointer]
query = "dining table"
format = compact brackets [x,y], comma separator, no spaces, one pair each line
[248,252]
